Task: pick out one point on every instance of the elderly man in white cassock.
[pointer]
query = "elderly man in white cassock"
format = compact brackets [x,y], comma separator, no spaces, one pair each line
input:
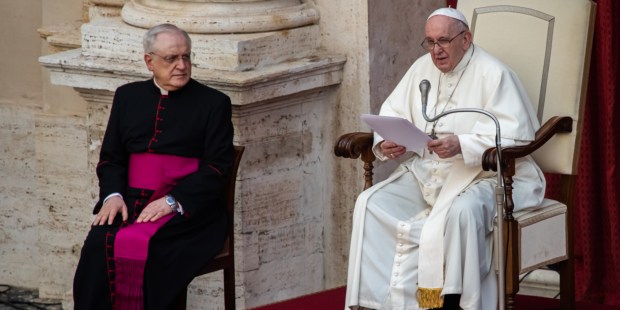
[423,237]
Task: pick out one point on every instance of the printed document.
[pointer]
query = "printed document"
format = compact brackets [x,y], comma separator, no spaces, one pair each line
[399,130]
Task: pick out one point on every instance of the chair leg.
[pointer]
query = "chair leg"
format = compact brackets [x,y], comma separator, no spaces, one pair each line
[182,301]
[229,289]
[567,284]
[510,302]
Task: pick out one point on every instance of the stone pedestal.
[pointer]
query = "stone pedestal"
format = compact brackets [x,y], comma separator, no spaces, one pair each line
[221,16]
[111,38]
[283,93]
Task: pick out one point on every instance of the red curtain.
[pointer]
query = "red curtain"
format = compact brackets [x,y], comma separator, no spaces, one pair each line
[597,212]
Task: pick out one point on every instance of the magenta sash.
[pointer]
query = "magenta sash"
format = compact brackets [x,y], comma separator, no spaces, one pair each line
[159,173]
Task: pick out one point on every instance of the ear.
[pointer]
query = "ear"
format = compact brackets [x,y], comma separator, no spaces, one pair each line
[468,39]
[148,60]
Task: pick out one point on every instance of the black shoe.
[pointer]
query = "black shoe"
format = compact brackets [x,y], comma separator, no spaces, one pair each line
[451,302]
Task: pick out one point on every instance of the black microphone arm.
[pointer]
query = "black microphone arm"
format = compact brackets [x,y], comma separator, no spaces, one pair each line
[425,86]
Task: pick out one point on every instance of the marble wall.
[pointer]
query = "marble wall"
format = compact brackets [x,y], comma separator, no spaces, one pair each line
[26,89]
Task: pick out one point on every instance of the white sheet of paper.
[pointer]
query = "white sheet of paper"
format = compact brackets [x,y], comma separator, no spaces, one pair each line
[398,130]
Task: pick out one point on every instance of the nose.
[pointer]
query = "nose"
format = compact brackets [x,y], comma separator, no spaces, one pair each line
[437,50]
[180,63]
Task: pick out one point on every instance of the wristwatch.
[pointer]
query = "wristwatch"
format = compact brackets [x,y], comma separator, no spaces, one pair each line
[172,203]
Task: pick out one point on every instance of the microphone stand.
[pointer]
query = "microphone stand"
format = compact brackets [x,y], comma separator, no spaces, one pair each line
[425,86]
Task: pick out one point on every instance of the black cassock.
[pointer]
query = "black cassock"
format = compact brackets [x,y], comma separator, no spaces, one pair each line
[194,121]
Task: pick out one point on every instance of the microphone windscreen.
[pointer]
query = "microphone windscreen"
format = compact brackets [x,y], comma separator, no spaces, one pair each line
[425,86]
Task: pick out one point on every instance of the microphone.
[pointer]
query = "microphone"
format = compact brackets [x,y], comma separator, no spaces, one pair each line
[425,86]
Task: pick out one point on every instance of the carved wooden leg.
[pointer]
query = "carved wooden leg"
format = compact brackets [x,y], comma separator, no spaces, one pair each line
[567,284]
[229,289]
[510,301]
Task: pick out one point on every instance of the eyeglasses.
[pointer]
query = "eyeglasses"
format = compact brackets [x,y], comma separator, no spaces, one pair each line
[187,58]
[429,44]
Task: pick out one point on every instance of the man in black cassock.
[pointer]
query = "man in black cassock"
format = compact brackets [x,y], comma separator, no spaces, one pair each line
[165,157]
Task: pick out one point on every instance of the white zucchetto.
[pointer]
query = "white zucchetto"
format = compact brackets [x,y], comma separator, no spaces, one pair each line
[450,12]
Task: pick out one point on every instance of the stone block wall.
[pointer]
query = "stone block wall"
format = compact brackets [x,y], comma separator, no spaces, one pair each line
[65,196]
[19,233]
[283,197]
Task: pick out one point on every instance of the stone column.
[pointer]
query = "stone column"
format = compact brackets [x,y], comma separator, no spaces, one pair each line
[265,55]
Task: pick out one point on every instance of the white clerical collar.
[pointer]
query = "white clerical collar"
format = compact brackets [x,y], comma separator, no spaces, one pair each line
[163,91]
[465,60]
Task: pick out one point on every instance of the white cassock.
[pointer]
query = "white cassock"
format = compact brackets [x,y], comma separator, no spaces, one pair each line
[429,225]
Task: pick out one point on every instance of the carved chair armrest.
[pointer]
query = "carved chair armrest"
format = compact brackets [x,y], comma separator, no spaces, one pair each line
[555,125]
[356,144]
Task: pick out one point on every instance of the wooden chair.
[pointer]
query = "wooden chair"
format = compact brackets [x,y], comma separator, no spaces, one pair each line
[225,260]
[548,44]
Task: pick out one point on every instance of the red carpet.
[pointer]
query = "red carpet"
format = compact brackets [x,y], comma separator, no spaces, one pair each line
[334,300]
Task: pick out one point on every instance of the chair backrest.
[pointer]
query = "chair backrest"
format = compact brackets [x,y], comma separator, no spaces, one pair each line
[230,201]
[226,258]
[547,43]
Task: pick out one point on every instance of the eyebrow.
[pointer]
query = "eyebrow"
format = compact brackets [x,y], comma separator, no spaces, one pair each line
[440,38]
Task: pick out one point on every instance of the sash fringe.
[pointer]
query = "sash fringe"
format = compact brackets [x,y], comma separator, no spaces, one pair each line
[430,298]
[129,278]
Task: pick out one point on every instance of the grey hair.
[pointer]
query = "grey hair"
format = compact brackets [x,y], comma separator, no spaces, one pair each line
[151,35]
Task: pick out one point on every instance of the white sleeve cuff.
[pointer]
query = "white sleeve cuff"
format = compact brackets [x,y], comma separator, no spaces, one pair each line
[112,195]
